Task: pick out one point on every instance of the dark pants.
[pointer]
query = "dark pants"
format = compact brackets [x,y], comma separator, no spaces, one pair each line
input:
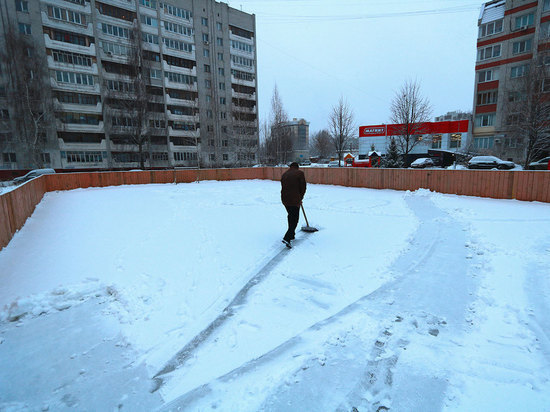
[293,217]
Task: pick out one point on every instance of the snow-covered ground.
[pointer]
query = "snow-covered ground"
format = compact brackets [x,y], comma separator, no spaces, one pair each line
[182,297]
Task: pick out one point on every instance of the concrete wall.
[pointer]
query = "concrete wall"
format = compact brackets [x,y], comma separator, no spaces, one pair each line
[16,206]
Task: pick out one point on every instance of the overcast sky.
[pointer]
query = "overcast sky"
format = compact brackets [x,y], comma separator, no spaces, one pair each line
[364,50]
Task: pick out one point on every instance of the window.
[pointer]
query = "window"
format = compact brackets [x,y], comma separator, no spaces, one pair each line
[9,157]
[511,142]
[225,143]
[244,75]
[84,157]
[221,71]
[219,41]
[524,21]
[456,140]
[71,58]
[219,25]
[66,15]
[211,142]
[25,28]
[149,38]
[222,100]
[436,141]
[67,37]
[46,158]
[483,142]
[115,30]
[523,46]
[514,97]
[212,156]
[176,11]
[206,53]
[115,48]
[180,78]
[485,120]
[205,37]
[519,71]
[74,78]
[220,56]
[207,83]
[152,4]
[177,28]
[546,5]
[487,98]
[178,45]
[239,45]
[208,98]
[488,52]
[490,28]
[221,86]
[225,156]
[207,68]
[223,115]
[243,61]
[79,118]
[77,98]
[119,86]
[155,74]
[204,21]
[160,156]
[149,21]
[210,128]
[4,114]
[21,5]
[183,156]
[209,114]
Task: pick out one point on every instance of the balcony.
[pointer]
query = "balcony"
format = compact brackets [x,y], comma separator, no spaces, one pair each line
[177,69]
[182,86]
[75,127]
[182,102]
[183,133]
[70,47]
[52,64]
[242,82]
[71,87]
[251,110]
[233,36]
[182,117]
[87,29]
[243,96]
[178,53]
[98,147]
[78,108]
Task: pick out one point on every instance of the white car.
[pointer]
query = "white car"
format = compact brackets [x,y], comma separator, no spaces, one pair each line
[334,163]
[32,174]
[422,162]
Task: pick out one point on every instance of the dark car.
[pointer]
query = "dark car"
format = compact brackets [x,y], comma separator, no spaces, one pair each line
[541,164]
[422,163]
[489,162]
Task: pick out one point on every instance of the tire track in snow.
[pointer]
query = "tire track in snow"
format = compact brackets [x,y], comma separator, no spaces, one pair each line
[425,295]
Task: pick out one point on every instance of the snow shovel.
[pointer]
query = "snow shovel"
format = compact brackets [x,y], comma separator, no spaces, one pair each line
[307,228]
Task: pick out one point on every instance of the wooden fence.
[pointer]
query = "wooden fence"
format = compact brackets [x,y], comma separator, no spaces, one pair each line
[16,206]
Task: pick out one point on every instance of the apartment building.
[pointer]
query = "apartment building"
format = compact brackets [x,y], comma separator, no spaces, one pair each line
[195,58]
[513,41]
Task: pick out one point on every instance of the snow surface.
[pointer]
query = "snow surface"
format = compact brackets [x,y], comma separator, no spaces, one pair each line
[182,297]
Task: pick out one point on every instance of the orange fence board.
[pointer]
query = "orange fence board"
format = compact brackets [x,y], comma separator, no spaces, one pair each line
[16,206]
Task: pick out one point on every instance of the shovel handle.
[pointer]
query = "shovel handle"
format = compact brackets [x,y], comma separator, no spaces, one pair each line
[304,212]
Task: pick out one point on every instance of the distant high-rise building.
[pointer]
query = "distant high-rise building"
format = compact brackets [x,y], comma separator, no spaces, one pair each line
[115,82]
[513,39]
[297,132]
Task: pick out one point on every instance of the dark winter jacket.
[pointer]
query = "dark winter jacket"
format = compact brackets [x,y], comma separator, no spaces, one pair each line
[293,187]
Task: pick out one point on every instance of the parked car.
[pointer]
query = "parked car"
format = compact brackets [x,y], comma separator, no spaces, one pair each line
[334,163]
[32,174]
[489,162]
[305,163]
[422,163]
[541,164]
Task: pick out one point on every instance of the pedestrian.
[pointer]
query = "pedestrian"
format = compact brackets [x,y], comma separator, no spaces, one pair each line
[293,189]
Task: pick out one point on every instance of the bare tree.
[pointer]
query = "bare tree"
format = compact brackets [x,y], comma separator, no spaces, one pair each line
[341,126]
[321,144]
[28,92]
[411,112]
[134,112]
[279,145]
[528,110]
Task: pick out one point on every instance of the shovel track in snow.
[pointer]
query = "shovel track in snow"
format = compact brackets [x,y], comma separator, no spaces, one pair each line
[183,355]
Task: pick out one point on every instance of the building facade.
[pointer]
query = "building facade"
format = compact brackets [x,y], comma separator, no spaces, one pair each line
[197,62]
[449,135]
[297,132]
[512,42]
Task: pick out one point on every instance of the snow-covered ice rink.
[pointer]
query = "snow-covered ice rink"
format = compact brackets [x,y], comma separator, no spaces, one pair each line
[182,297]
